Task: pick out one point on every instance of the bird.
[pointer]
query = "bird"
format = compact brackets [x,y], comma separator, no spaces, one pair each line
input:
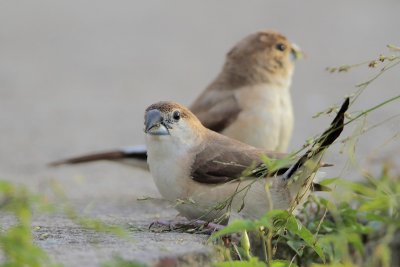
[211,177]
[249,100]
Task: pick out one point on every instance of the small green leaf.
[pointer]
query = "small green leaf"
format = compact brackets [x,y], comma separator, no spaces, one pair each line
[295,226]
[380,203]
[296,246]
[118,261]
[273,217]
[253,262]
[358,188]
[356,241]
[282,263]
[234,227]
[245,243]
[328,181]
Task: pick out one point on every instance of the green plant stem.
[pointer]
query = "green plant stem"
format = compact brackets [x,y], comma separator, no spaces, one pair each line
[269,246]
[373,108]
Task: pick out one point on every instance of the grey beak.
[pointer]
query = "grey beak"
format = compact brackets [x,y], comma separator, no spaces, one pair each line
[152,119]
[153,122]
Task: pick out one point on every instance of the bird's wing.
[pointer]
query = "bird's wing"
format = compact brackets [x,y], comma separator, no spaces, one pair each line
[224,160]
[216,109]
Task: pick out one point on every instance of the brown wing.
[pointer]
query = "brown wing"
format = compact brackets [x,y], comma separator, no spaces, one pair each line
[216,109]
[226,159]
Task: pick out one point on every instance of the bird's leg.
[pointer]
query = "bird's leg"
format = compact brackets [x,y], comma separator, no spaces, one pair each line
[194,226]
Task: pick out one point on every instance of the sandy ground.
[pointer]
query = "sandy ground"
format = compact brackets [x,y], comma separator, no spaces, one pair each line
[76,76]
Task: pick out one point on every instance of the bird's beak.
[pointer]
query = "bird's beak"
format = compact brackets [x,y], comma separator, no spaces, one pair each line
[296,52]
[154,124]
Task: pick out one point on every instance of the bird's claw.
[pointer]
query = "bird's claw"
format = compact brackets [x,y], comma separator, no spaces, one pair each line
[194,227]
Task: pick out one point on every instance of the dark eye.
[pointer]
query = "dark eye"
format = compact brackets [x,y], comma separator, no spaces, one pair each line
[176,115]
[280,47]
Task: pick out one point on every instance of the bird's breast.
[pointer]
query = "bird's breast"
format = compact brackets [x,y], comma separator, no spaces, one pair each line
[170,165]
[266,117]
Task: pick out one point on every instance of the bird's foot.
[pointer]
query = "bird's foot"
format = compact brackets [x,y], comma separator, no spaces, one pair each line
[194,227]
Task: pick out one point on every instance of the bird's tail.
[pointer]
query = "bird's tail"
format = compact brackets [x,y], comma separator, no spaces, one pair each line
[135,156]
[301,173]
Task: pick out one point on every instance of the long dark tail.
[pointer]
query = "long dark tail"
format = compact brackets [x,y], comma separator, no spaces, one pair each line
[135,152]
[323,142]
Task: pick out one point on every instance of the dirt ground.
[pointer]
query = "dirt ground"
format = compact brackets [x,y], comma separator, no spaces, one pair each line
[76,76]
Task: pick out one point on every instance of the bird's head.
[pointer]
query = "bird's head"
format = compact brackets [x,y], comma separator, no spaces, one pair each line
[169,120]
[264,55]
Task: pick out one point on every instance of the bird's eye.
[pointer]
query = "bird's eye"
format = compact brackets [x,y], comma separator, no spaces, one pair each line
[176,115]
[280,47]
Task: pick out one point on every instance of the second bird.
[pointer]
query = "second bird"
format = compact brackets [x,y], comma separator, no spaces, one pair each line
[249,100]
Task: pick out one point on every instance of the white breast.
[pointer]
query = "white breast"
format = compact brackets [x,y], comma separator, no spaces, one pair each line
[266,119]
[166,161]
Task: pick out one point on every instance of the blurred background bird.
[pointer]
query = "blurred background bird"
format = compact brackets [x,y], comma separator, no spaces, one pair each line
[249,100]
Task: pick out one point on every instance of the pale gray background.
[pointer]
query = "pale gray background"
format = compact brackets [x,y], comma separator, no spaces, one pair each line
[76,76]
